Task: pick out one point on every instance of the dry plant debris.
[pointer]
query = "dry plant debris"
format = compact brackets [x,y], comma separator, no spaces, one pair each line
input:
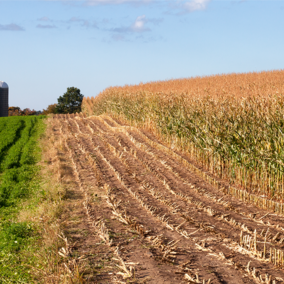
[159,221]
[230,126]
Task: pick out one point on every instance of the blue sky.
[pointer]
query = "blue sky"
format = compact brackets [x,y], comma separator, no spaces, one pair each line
[47,46]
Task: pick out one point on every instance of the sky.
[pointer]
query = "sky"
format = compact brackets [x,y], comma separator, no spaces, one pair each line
[47,46]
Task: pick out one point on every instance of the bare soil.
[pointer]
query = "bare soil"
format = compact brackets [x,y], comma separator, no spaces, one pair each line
[138,215]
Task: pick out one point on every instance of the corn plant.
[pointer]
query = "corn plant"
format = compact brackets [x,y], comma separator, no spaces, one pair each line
[232,125]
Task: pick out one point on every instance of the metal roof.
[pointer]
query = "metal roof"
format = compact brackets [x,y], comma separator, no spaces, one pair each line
[3,85]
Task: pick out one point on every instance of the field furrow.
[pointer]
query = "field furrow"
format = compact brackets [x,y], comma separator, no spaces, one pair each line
[162,222]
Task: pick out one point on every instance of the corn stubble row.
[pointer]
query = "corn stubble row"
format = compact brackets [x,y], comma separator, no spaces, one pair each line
[248,244]
[231,125]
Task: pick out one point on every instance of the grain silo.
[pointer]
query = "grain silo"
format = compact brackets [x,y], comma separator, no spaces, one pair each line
[4,96]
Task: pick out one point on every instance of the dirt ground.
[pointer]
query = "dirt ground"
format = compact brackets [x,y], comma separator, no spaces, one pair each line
[137,214]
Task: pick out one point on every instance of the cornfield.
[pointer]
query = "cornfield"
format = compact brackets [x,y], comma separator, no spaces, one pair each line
[154,217]
[231,126]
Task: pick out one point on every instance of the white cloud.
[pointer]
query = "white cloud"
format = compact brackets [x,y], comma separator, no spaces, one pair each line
[139,24]
[11,27]
[196,5]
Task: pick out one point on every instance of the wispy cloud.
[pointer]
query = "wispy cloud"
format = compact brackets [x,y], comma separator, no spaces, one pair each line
[75,19]
[239,1]
[84,23]
[105,2]
[137,27]
[140,29]
[11,27]
[189,6]
[118,37]
[46,23]
[115,2]
[195,5]
[44,19]
[40,26]
[138,37]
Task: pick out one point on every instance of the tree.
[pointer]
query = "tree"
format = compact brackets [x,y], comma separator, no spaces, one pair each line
[16,111]
[27,111]
[50,109]
[70,102]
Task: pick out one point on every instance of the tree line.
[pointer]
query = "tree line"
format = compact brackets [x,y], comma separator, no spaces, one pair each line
[69,102]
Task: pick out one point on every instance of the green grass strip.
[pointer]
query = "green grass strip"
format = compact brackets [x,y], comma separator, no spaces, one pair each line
[19,189]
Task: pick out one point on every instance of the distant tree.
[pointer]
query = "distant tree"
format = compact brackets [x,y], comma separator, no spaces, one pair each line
[50,109]
[38,112]
[16,111]
[70,102]
[28,111]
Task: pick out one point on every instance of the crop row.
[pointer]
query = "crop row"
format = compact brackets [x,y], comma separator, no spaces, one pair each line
[18,151]
[236,139]
[19,178]
[9,134]
[170,201]
[125,158]
[17,155]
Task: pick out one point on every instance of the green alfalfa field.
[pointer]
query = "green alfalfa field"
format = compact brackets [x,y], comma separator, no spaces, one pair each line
[24,200]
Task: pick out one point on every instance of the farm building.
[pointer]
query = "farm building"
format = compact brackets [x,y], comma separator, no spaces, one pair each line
[4,97]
